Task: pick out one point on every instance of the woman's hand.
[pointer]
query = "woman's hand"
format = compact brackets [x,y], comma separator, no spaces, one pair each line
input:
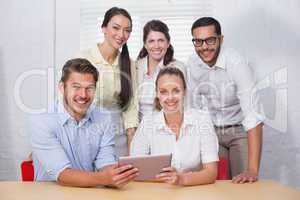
[169,175]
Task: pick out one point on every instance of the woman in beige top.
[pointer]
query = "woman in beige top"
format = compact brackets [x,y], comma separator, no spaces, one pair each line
[156,54]
[117,80]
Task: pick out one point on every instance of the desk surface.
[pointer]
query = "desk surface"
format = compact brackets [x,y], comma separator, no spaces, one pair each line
[145,191]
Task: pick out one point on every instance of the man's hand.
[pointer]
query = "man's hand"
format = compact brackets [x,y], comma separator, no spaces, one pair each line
[118,176]
[245,177]
[254,155]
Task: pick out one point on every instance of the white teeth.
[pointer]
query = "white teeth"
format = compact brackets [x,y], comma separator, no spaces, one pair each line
[81,102]
[119,41]
[171,104]
[206,53]
[156,52]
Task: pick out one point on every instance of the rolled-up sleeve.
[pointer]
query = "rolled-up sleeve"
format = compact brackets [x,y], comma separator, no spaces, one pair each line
[247,94]
[106,155]
[46,147]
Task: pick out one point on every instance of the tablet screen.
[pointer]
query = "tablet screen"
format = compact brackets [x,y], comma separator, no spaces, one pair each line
[149,165]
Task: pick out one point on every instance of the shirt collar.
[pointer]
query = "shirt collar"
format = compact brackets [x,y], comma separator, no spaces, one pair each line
[98,58]
[144,63]
[161,64]
[220,63]
[65,116]
[160,121]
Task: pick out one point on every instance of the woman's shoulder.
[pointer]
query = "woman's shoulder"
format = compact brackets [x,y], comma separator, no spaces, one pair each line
[151,123]
[151,117]
[197,114]
[87,51]
[140,62]
[90,53]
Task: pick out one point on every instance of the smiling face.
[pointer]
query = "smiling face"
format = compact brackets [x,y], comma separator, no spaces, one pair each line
[78,93]
[208,52]
[117,31]
[170,93]
[156,45]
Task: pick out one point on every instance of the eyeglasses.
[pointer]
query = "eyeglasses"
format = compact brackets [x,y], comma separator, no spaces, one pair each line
[209,41]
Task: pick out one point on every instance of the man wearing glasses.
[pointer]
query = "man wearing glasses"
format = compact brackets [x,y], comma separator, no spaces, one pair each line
[221,81]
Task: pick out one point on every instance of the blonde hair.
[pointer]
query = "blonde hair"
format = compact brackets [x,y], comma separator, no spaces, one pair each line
[167,71]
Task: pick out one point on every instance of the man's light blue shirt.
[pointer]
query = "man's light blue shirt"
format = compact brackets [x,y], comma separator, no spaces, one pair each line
[59,142]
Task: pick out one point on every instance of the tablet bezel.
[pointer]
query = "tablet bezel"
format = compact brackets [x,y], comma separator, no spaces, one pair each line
[149,165]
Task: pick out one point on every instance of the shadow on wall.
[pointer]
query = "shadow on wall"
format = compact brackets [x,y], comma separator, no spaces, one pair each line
[271,44]
[7,162]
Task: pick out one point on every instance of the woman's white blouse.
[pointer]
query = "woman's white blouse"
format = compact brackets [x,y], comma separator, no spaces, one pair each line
[197,142]
[146,84]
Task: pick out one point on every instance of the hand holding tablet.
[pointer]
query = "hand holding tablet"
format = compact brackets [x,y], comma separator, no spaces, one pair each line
[148,165]
[168,175]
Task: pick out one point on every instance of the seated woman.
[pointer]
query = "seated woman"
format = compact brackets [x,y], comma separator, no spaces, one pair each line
[186,133]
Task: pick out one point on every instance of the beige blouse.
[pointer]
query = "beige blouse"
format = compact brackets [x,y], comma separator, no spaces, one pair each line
[109,85]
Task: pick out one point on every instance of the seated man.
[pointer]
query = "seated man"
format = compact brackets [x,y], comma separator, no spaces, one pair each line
[75,145]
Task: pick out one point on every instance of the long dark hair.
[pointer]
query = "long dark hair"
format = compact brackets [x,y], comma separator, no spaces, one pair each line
[159,26]
[124,59]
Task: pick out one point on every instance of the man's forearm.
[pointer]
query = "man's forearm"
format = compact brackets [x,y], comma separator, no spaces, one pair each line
[79,178]
[254,148]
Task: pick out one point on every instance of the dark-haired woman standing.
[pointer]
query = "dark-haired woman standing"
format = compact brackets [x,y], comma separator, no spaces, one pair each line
[117,80]
[156,54]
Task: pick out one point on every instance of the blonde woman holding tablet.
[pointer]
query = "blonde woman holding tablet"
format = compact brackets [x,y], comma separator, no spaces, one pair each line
[186,133]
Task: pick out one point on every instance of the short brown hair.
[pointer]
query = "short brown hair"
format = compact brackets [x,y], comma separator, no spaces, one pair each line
[79,65]
[207,21]
[168,71]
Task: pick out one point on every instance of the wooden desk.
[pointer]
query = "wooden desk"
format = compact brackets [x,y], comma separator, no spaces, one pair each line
[221,190]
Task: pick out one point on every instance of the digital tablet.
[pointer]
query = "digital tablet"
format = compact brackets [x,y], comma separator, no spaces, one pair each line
[148,165]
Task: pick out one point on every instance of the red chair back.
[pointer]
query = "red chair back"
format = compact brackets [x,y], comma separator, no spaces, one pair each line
[222,169]
[27,171]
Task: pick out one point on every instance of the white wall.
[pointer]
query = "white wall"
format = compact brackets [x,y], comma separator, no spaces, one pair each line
[268,34]
[43,34]
[36,38]
[26,44]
